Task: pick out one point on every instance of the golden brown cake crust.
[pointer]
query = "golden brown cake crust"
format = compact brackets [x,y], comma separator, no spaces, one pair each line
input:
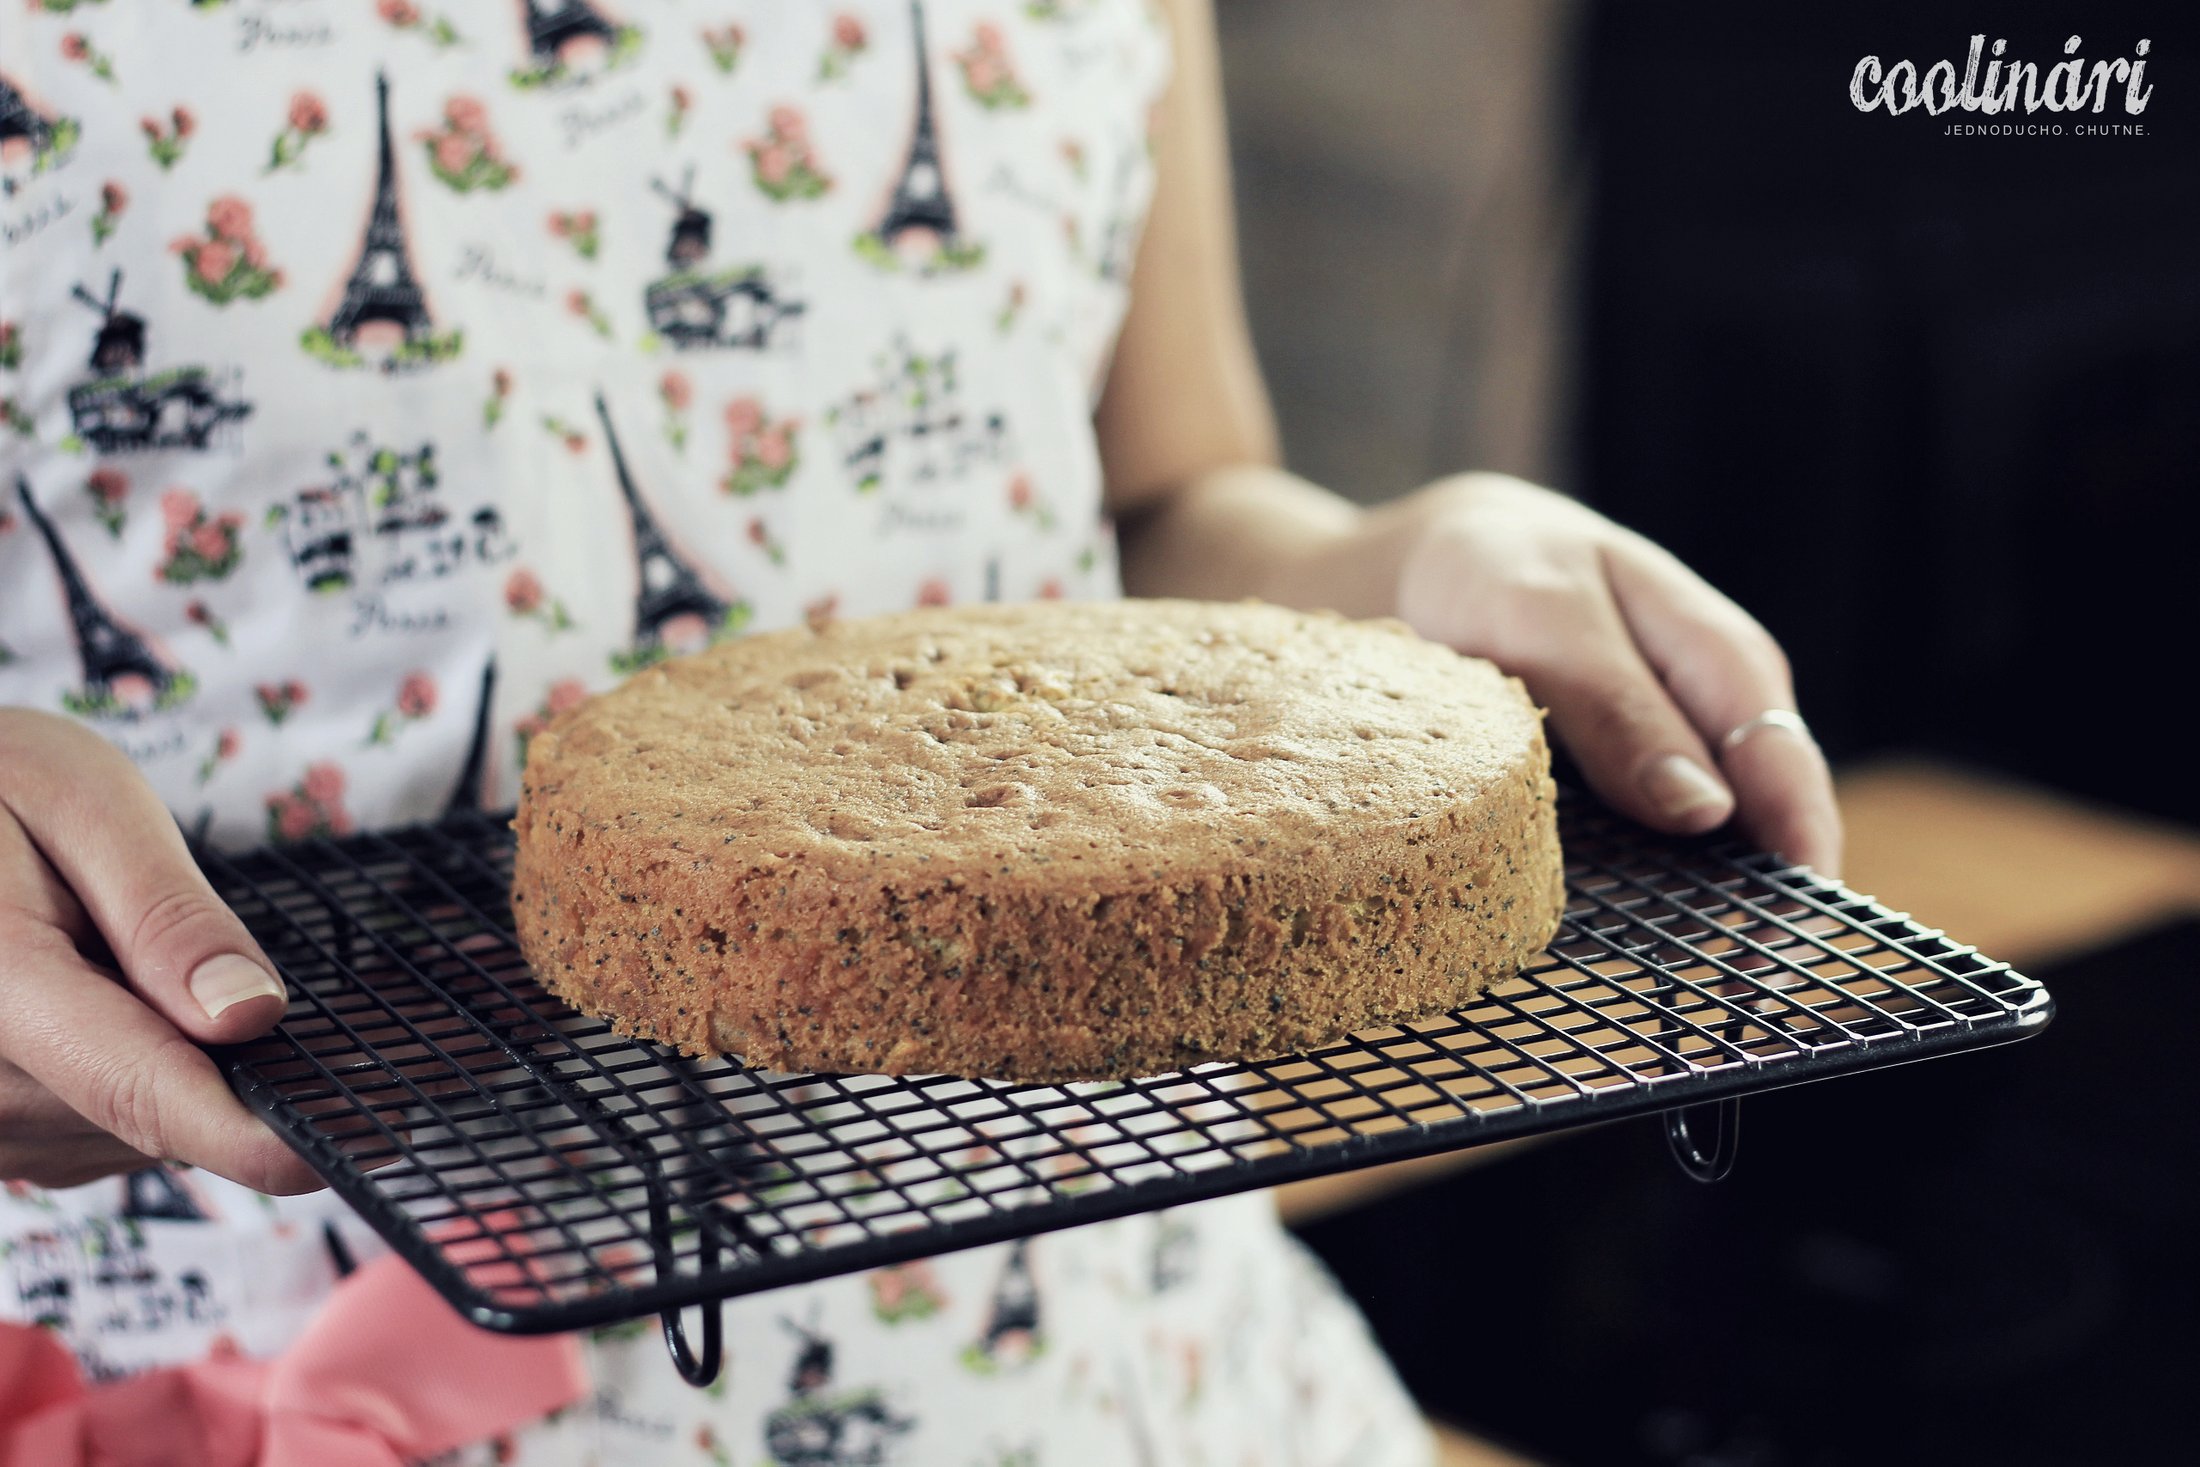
[1039,842]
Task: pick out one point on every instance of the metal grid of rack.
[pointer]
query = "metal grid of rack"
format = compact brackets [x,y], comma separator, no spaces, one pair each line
[545,1173]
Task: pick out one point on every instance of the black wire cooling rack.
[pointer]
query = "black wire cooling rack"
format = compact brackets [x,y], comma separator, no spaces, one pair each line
[545,1173]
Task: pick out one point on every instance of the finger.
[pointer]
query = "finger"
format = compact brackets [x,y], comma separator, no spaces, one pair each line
[45,1143]
[29,1110]
[109,838]
[1788,802]
[1634,746]
[125,1069]
[56,1165]
[29,884]
[1723,669]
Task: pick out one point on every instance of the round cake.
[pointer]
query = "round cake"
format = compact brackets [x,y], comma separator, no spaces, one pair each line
[1045,842]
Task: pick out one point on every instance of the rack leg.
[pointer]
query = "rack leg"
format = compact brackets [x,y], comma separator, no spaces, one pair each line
[1704,1139]
[697,1370]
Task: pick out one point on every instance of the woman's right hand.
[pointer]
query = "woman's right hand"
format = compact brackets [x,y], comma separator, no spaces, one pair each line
[100,1069]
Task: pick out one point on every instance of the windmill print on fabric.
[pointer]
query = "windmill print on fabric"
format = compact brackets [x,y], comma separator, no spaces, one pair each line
[382,310]
[821,1426]
[121,409]
[695,308]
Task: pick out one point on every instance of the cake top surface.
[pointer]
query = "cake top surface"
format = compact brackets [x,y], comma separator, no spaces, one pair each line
[1129,736]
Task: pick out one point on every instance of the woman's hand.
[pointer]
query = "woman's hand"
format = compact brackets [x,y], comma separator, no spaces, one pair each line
[1656,684]
[99,1072]
[1648,672]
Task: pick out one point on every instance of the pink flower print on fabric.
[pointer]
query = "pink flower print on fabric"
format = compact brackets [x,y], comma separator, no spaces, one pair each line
[723,44]
[578,228]
[846,41]
[781,162]
[988,75]
[229,262]
[463,153]
[114,199]
[199,614]
[763,452]
[676,392]
[226,744]
[165,141]
[525,597]
[108,487]
[195,545]
[306,120]
[580,303]
[404,15]
[279,700]
[416,700]
[76,47]
[314,806]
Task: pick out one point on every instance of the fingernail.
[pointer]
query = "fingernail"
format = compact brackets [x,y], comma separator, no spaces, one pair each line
[1681,788]
[221,983]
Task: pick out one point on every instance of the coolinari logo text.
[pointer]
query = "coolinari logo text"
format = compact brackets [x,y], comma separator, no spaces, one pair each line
[2071,85]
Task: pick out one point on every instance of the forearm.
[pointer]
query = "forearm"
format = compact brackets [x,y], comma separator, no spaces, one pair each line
[1256,530]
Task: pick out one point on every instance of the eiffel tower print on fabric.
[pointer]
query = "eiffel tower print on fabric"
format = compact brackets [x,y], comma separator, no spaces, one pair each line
[675,609]
[46,140]
[122,410]
[697,309]
[473,775]
[155,1191]
[382,297]
[123,677]
[919,227]
[21,121]
[1012,1336]
[562,35]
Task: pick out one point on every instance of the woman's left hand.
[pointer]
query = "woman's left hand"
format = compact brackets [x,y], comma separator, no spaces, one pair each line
[1656,683]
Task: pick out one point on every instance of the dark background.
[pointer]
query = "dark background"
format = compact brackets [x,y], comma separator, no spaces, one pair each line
[1980,1260]
[1930,407]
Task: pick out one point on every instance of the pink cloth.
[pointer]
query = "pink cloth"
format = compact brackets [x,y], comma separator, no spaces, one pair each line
[387,1373]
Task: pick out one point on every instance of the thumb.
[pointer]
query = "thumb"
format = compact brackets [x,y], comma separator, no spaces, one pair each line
[108,837]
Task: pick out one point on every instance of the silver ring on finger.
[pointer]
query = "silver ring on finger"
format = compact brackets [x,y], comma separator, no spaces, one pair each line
[1781,718]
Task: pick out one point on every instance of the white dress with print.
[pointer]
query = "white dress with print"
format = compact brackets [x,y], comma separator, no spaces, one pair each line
[378,378]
